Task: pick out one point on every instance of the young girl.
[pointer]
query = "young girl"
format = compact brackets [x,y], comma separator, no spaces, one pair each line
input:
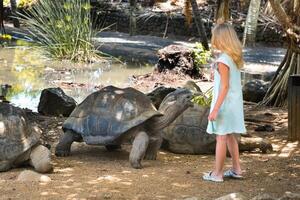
[226,113]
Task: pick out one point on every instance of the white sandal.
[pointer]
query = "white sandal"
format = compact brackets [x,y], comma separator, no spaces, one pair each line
[209,177]
[232,174]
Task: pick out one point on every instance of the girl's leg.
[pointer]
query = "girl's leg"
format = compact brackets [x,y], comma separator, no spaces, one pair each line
[220,155]
[234,152]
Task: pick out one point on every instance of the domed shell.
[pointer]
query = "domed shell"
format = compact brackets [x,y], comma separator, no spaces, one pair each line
[17,135]
[108,113]
[187,134]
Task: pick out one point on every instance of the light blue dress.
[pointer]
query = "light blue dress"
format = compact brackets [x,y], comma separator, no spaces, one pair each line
[230,118]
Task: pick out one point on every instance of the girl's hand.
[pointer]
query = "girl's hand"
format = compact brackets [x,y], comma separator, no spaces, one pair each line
[211,75]
[213,115]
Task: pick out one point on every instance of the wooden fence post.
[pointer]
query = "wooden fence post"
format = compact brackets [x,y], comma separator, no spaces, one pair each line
[294,108]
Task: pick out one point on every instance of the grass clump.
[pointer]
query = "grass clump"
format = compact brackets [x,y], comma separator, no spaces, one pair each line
[63,28]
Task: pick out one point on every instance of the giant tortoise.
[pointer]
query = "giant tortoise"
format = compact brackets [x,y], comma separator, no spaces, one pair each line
[187,134]
[19,141]
[112,115]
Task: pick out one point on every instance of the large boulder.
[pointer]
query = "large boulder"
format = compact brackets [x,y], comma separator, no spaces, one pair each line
[55,102]
[255,90]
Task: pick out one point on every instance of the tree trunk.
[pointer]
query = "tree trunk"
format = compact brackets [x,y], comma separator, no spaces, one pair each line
[199,24]
[2,30]
[277,93]
[132,23]
[222,12]
[13,5]
[251,23]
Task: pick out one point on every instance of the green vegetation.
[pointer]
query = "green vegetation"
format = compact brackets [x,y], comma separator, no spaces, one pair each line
[5,39]
[204,99]
[200,55]
[63,28]
[21,3]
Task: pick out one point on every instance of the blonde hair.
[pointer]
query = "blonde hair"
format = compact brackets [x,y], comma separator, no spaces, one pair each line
[224,38]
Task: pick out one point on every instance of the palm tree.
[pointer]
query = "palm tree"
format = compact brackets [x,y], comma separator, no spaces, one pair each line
[222,11]
[198,21]
[2,30]
[251,23]
[13,6]
[132,23]
[289,19]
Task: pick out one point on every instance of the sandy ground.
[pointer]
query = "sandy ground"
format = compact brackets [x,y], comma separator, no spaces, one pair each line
[93,173]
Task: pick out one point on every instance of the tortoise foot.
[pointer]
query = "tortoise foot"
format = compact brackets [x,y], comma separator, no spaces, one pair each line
[136,165]
[112,147]
[62,153]
[150,156]
[63,148]
[5,166]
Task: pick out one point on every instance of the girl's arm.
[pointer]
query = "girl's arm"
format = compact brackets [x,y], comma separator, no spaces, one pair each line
[224,73]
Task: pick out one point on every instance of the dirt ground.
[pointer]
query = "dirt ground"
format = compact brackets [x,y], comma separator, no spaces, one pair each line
[93,173]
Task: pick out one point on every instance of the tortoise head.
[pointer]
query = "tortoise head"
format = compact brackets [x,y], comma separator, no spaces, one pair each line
[176,102]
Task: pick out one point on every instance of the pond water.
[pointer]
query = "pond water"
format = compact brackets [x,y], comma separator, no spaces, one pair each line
[29,72]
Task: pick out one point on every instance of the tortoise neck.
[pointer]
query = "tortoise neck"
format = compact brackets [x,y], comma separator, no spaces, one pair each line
[158,123]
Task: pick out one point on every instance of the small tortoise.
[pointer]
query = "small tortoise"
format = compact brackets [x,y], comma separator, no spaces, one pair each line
[19,141]
[112,115]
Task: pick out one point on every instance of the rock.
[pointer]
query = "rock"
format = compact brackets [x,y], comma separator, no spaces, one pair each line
[266,127]
[255,90]
[29,175]
[54,101]
[268,76]
[158,94]
[263,197]
[290,196]
[232,196]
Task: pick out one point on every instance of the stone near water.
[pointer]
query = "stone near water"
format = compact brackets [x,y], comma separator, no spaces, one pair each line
[31,176]
[232,196]
[55,102]
[255,90]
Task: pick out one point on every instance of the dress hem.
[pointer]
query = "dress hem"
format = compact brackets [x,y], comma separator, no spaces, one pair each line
[227,133]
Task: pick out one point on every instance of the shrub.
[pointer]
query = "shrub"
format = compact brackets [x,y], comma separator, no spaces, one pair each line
[63,28]
[200,55]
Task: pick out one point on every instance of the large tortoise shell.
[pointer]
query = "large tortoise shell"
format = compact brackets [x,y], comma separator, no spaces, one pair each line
[108,113]
[17,134]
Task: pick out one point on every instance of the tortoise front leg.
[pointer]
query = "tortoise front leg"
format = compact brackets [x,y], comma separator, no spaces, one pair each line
[63,148]
[154,145]
[138,149]
[5,166]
